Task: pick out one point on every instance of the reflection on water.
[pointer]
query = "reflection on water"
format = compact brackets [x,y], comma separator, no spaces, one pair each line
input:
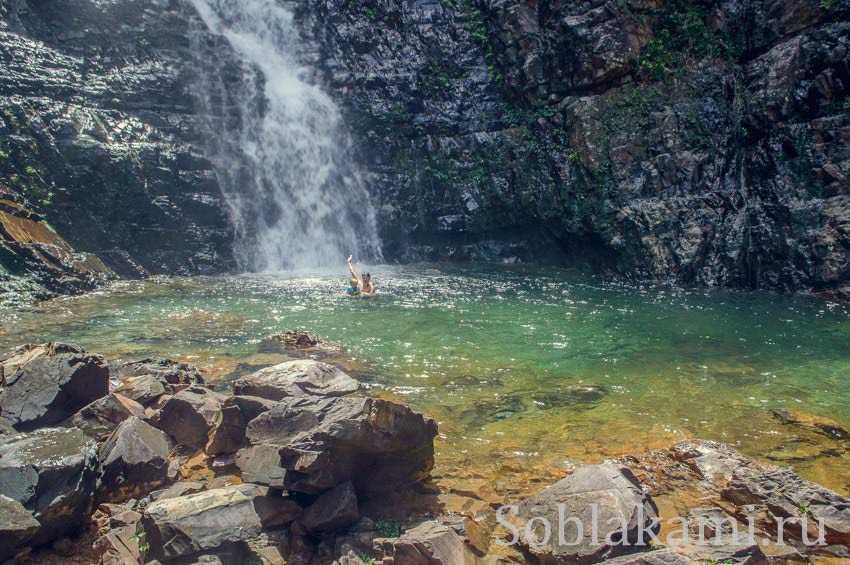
[527,370]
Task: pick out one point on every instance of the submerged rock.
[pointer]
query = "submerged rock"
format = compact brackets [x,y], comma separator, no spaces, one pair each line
[213,519]
[825,426]
[611,492]
[52,473]
[45,384]
[303,377]
[17,527]
[299,342]
[189,415]
[133,461]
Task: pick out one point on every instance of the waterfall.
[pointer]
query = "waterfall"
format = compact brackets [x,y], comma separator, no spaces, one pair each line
[278,143]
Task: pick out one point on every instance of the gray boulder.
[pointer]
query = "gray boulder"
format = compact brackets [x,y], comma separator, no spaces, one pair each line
[170,371]
[429,543]
[189,415]
[378,445]
[665,556]
[17,527]
[52,473]
[133,461]
[101,417]
[333,510]
[45,384]
[144,389]
[781,493]
[261,464]
[228,435]
[203,522]
[303,377]
[610,492]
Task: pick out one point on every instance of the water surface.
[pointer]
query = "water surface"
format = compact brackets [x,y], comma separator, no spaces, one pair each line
[527,370]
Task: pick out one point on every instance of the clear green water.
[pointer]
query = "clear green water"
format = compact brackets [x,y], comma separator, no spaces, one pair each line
[526,369]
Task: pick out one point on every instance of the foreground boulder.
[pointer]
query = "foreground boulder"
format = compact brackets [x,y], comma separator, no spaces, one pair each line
[228,435]
[45,384]
[333,510]
[133,461]
[213,519]
[170,371]
[17,527]
[429,543]
[612,492]
[118,535]
[101,417]
[303,377]
[149,380]
[189,415]
[378,445]
[52,473]
[782,494]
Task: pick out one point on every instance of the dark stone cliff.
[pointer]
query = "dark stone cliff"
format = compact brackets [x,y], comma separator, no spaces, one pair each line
[703,142]
[99,135]
[706,143]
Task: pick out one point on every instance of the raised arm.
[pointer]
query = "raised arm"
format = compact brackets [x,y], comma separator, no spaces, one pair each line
[351,268]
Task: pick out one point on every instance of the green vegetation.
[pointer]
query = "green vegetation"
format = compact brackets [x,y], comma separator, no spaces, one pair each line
[682,34]
[474,24]
[388,529]
[437,77]
[367,559]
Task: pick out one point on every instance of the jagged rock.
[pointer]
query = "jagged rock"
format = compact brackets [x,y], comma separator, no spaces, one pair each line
[6,428]
[195,523]
[52,473]
[102,416]
[17,527]
[781,493]
[228,436]
[429,543]
[658,557]
[618,496]
[170,371]
[45,384]
[261,464]
[189,415]
[144,389]
[118,535]
[180,488]
[333,510]
[133,461]
[303,377]
[376,444]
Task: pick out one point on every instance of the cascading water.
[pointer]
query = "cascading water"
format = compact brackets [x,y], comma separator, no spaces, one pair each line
[278,144]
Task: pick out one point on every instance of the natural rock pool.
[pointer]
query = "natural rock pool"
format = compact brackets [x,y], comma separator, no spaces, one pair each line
[527,370]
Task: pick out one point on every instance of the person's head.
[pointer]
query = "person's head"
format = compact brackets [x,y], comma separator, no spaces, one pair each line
[367,278]
[353,283]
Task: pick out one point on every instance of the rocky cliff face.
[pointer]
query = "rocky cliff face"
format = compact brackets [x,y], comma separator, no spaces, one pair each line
[700,142]
[99,134]
[703,142]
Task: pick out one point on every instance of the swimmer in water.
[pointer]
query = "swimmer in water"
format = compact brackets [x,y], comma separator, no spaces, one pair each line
[358,286]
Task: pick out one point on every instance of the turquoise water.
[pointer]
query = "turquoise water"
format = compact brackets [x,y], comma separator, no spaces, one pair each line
[526,369]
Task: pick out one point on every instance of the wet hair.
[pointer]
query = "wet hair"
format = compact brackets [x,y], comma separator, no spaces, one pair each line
[353,283]
[367,276]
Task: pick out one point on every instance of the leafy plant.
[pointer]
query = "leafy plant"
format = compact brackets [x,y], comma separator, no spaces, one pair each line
[388,529]
[367,559]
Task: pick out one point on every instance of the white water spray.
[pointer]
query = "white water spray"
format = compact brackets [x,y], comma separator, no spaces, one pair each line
[300,203]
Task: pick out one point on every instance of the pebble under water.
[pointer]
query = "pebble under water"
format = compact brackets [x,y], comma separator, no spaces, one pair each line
[527,370]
